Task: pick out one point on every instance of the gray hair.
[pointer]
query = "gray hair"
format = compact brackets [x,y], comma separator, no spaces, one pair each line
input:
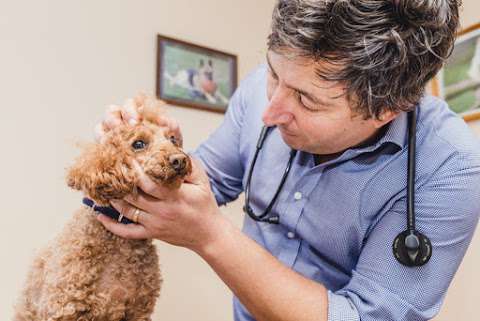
[384,51]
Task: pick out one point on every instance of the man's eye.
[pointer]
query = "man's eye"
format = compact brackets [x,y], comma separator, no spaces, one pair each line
[139,144]
[302,99]
[173,139]
[306,105]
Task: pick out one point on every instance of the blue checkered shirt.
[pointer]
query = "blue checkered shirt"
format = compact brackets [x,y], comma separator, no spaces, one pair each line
[338,219]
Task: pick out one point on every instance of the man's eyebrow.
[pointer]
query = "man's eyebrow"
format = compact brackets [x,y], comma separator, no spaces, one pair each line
[306,94]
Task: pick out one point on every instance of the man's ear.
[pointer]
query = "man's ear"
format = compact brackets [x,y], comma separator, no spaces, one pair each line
[103,173]
[385,118]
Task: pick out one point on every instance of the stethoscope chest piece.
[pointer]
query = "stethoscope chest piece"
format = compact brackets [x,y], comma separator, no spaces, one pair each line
[412,248]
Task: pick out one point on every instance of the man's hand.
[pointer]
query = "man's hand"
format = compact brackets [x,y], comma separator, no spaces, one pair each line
[185,217]
[116,115]
[181,217]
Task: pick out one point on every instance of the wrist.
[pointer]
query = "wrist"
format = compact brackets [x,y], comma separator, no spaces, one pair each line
[219,230]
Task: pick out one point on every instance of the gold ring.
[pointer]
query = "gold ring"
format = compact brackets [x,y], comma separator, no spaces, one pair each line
[136,214]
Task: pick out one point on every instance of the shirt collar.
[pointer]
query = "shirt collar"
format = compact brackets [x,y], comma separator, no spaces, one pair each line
[396,132]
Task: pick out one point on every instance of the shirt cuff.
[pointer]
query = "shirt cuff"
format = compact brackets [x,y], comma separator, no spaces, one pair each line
[341,308]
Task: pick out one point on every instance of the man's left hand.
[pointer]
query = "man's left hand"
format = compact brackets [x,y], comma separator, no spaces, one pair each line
[184,217]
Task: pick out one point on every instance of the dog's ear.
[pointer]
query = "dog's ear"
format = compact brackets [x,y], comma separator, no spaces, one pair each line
[103,173]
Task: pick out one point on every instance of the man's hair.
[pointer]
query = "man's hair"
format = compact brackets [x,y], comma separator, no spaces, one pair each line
[384,52]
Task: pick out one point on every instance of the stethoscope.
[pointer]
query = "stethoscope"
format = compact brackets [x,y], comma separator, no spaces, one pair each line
[410,247]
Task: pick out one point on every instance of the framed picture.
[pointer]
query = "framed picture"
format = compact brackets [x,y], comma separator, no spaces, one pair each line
[459,80]
[194,76]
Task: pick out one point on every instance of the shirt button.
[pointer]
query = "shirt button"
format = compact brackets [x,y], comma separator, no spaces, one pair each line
[297,196]
[290,235]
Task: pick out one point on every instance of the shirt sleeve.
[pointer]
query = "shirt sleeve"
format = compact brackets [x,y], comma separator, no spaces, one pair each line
[341,308]
[447,211]
[220,153]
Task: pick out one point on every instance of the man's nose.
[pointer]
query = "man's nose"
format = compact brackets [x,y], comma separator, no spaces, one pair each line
[277,112]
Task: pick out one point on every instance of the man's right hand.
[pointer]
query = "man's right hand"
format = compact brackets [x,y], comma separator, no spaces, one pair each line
[127,114]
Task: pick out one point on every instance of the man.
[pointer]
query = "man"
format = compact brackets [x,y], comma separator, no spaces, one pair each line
[340,77]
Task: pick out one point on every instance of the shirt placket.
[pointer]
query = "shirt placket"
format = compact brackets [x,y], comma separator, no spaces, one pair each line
[290,216]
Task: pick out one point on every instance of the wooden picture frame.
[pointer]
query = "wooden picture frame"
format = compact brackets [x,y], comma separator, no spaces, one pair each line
[194,76]
[458,82]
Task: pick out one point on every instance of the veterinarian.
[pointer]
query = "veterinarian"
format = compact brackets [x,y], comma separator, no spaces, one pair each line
[339,80]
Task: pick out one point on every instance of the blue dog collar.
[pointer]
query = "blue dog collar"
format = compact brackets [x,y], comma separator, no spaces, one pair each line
[108,211]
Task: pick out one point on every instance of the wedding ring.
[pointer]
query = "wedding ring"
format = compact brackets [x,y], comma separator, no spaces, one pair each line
[135,216]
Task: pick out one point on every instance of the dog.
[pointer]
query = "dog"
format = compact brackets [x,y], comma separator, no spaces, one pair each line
[200,82]
[87,273]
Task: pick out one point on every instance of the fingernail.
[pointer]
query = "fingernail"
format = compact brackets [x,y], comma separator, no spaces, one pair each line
[132,121]
[113,108]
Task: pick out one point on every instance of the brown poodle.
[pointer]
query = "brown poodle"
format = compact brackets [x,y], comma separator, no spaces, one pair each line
[88,273]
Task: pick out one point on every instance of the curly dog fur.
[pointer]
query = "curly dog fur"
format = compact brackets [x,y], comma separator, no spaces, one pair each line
[87,273]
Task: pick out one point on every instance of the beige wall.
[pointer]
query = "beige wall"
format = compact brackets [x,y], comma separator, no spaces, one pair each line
[61,62]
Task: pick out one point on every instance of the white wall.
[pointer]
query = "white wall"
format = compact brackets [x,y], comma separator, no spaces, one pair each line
[61,63]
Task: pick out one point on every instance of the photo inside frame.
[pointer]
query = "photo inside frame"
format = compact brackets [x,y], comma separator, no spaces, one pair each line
[194,76]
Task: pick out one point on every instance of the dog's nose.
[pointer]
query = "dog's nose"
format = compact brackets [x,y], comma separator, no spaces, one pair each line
[178,162]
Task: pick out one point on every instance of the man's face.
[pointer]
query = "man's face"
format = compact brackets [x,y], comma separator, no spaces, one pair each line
[313,115]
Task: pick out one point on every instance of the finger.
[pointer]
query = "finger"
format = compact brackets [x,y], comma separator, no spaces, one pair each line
[143,201]
[163,120]
[112,108]
[148,186]
[99,133]
[129,112]
[198,175]
[129,211]
[140,99]
[168,122]
[112,118]
[129,231]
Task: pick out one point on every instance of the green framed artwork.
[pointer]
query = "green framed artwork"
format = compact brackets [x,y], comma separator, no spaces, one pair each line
[194,76]
[459,80]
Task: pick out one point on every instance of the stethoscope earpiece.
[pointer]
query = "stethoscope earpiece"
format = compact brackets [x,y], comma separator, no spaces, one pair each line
[412,248]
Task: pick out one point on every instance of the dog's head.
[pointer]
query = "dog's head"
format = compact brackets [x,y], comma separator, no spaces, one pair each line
[105,171]
[206,70]
[207,83]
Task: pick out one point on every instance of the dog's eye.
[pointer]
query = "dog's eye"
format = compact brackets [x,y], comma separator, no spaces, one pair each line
[139,144]
[173,139]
